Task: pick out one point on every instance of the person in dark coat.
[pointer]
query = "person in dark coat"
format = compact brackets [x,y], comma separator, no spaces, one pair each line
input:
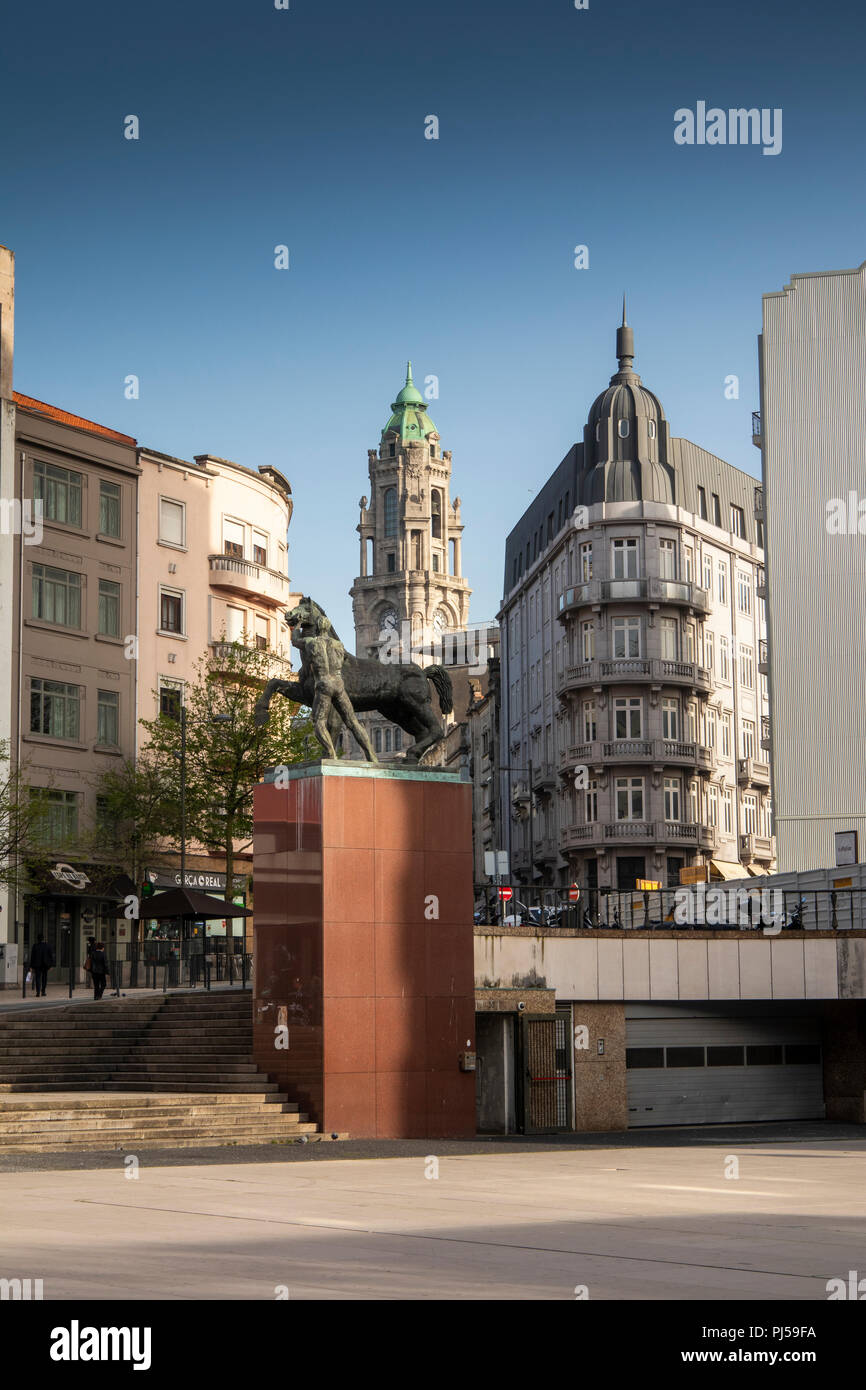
[98,969]
[41,961]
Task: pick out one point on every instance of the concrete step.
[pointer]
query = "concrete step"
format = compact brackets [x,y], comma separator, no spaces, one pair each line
[202,1085]
[82,1103]
[205,1123]
[96,1144]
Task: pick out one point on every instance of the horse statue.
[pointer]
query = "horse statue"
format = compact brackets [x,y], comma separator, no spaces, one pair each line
[400,692]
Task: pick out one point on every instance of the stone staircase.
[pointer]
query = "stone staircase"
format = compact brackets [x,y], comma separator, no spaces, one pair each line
[166,1071]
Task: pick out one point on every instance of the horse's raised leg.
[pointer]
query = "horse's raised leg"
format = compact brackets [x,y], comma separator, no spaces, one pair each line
[427,730]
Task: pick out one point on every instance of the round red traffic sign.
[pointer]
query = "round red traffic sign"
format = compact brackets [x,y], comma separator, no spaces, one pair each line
[574,893]
[505,894]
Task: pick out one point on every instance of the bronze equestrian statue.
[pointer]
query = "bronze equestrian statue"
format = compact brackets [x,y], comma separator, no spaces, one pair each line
[329,674]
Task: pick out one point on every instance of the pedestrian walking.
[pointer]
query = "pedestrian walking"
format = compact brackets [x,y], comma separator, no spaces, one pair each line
[98,969]
[41,961]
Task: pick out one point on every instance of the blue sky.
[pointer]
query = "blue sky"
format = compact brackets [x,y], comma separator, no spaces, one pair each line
[305,127]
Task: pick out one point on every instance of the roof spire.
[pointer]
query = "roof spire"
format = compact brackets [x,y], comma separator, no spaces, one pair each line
[409,381]
[625,344]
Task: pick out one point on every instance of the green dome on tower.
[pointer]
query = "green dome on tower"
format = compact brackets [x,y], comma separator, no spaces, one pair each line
[409,420]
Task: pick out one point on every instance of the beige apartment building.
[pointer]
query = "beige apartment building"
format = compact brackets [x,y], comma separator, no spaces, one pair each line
[213,568]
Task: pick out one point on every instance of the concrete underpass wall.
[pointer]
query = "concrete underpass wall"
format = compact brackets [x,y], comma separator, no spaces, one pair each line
[600,1101]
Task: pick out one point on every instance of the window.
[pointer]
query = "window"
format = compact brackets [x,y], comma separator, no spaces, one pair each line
[233,538]
[724,659]
[726,735]
[591,802]
[436,515]
[627,718]
[109,609]
[727,812]
[671,720]
[390,502]
[170,699]
[689,642]
[262,633]
[744,593]
[391,562]
[725,1055]
[170,611]
[622,429]
[398,733]
[651,428]
[59,491]
[108,718]
[723,582]
[712,805]
[691,723]
[435,564]
[710,650]
[260,548]
[236,621]
[738,522]
[57,596]
[747,734]
[388,736]
[688,564]
[377,739]
[587,642]
[693,802]
[667,560]
[392,450]
[759,534]
[708,572]
[172,522]
[747,667]
[644,1057]
[684,1056]
[58,822]
[801,1054]
[711,728]
[672,798]
[625,635]
[586,562]
[109,509]
[590,726]
[750,814]
[764,1055]
[629,798]
[717,511]
[669,633]
[702,503]
[624,559]
[55,709]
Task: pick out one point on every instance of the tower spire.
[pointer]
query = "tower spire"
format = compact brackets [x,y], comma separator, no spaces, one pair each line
[625,344]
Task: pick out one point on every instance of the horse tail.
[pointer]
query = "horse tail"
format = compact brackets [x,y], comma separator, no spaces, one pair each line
[442,683]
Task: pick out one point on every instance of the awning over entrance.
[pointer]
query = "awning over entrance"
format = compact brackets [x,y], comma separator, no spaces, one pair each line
[756,871]
[720,868]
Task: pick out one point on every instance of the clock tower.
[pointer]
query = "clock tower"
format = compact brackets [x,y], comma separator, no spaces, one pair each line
[410,586]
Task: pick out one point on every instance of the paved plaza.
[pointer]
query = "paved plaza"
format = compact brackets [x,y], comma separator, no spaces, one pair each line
[655,1220]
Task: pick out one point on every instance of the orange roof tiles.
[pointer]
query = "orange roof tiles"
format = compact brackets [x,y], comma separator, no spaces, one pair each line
[64,416]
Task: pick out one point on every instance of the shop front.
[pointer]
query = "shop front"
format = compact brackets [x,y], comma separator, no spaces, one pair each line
[68,904]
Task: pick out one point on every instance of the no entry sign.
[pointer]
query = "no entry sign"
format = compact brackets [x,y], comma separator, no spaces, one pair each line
[574,894]
[506,894]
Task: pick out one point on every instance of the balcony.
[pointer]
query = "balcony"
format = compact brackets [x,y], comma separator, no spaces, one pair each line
[625,670]
[545,849]
[543,777]
[763,657]
[694,836]
[758,847]
[753,774]
[248,579]
[761,583]
[275,667]
[759,501]
[756,429]
[594,592]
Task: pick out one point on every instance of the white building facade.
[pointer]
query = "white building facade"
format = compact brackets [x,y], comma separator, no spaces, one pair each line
[810,430]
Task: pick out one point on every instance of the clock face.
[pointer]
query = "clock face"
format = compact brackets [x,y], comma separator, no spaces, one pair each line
[441,621]
[389,621]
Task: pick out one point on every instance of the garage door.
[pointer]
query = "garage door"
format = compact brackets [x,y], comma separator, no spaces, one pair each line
[700,1069]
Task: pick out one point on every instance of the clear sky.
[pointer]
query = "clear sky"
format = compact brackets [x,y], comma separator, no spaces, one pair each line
[305,127]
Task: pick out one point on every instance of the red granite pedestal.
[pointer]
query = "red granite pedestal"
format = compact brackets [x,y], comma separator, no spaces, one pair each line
[363,947]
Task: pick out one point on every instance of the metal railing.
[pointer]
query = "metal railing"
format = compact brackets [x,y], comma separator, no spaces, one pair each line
[711,906]
[172,964]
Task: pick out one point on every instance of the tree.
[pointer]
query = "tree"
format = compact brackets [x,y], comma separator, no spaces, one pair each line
[137,808]
[22,816]
[226,754]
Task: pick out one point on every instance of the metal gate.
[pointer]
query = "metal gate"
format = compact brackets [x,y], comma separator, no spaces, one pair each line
[546,1040]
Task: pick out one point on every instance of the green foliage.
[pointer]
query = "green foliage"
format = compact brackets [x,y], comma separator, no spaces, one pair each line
[22,813]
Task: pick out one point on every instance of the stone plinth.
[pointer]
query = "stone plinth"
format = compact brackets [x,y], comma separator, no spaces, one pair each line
[364,947]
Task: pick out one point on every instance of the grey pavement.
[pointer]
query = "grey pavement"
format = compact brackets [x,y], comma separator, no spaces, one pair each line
[657,1219]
